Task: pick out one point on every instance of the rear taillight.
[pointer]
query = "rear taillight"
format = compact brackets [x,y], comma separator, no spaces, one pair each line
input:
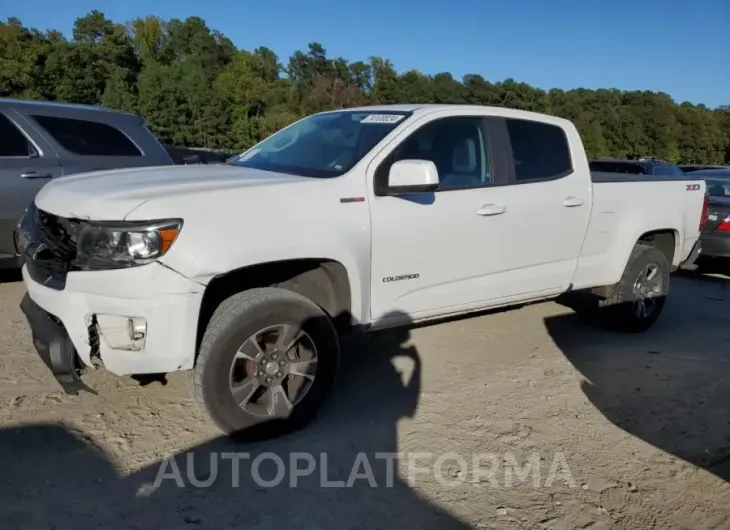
[705,212]
[724,226]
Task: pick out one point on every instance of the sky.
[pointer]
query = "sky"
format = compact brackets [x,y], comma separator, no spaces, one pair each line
[673,46]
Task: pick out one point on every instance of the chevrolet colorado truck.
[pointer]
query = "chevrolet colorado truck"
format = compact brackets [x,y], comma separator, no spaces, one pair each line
[248,274]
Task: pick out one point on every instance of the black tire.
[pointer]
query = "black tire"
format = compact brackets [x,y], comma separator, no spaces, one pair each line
[240,317]
[619,307]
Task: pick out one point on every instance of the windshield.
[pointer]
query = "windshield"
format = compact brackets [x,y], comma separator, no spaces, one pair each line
[323,145]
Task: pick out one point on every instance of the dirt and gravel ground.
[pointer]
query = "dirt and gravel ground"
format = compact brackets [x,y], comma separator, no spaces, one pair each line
[641,421]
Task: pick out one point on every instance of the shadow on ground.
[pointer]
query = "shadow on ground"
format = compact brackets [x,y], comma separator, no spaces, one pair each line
[54,478]
[711,270]
[10,276]
[669,386]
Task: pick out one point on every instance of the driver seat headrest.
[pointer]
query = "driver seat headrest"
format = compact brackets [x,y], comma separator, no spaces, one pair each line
[465,156]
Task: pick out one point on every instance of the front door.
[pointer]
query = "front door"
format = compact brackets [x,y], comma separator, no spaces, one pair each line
[436,253]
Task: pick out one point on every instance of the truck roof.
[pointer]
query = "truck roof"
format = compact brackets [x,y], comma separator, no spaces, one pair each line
[422,108]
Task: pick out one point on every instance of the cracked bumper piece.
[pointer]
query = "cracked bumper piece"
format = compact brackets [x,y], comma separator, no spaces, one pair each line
[53,345]
[141,320]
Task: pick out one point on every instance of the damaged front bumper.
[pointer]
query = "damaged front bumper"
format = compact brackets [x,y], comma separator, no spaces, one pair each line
[141,320]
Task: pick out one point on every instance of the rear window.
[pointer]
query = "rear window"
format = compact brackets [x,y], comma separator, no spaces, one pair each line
[88,138]
[617,167]
[540,150]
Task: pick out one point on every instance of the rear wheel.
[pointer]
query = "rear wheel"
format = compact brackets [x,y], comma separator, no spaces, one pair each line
[267,363]
[637,300]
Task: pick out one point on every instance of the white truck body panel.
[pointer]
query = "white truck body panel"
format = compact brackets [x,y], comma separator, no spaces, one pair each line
[471,249]
[623,211]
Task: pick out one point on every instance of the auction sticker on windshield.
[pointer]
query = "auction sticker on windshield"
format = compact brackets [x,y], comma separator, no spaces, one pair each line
[382,118]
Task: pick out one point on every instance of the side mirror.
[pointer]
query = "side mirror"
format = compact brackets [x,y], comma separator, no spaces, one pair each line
[412,176]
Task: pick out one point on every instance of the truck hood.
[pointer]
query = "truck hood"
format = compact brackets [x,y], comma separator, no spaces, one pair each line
[113,195]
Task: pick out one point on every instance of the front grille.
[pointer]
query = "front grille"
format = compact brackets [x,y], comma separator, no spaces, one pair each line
[47,246]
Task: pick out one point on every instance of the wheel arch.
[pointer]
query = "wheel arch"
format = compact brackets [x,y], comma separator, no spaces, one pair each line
[327,282]
[667,240]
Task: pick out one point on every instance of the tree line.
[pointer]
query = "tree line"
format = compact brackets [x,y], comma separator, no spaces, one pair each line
[195,88]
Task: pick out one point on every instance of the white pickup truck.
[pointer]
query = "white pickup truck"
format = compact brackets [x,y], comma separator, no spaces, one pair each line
[248,273]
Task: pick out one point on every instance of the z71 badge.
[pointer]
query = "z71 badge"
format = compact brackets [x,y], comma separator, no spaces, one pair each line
[693,187]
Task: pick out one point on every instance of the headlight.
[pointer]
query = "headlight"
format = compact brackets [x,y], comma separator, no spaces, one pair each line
[119,245]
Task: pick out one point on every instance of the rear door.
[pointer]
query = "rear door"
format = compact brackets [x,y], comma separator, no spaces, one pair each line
[547,203]
[27,162]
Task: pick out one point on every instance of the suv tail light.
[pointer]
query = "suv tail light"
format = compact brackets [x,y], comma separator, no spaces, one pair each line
[706,212]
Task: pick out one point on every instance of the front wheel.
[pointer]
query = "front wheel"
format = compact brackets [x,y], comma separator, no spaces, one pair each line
[267,363]
[637,300]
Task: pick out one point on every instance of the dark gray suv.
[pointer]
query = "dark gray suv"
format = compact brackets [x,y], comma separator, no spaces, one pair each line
[42,140]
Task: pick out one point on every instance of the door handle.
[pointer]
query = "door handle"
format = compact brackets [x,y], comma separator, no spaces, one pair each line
[571,202]
[36,175]
[491,209]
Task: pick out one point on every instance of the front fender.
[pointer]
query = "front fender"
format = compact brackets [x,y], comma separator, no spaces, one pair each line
[228,230]
[203,261]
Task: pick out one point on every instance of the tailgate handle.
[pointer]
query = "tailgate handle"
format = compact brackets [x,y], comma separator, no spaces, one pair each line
[571,202]
[36,175]
[491,209]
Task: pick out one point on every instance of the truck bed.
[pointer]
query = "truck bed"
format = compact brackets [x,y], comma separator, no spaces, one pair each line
[626,205]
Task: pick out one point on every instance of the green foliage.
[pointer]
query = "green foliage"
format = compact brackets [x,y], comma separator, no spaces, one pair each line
[195,88]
